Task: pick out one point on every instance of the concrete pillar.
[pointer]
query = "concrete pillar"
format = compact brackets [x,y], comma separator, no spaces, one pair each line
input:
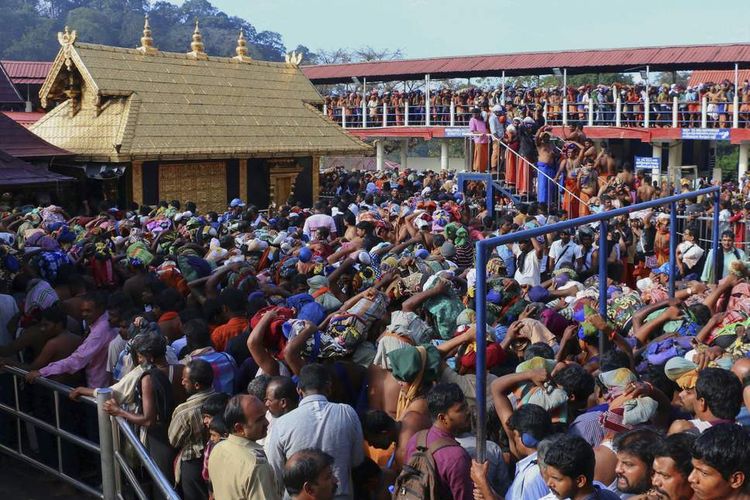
[444,154]
[379,154]
[675,154]
[656,153]
[744,159]
[404,152]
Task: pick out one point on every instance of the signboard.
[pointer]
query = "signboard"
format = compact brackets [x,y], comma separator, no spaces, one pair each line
[647,163]
[706,134]
[456,131]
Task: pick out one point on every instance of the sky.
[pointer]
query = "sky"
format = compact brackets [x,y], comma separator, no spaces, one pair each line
[434,28]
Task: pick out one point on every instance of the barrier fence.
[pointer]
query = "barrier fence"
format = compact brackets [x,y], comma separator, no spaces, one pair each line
[485,247]
[113,435]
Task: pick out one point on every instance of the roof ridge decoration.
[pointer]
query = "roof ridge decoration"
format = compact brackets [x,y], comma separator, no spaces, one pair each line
[293,58]
[147,43]
[67,39]
[73,85]
[196,46]
[241,49]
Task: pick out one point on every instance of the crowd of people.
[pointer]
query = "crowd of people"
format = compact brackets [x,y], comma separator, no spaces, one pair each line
[329,352]
[520,102]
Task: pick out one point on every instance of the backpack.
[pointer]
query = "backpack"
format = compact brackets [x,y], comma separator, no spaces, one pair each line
[419,478]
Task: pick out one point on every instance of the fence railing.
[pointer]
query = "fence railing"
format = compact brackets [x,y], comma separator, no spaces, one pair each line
[113,433]
[485,247]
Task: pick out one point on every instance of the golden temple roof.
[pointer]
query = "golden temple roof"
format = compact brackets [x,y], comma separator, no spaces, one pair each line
[121,104]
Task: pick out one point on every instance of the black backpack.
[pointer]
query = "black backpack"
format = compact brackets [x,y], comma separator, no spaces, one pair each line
[418,479]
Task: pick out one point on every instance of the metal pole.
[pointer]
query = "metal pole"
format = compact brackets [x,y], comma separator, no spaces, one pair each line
[106,444]
[481,313]
[618,112]
[602,278]
[502,93]
[672,246]
[427,100]
[736,98]
[715,238]
[565,98]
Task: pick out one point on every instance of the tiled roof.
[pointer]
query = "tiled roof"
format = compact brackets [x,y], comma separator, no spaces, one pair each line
[33,72]
[18,141]
[24,118]
[172,106]
[697,77]
[15,172]
[8,92]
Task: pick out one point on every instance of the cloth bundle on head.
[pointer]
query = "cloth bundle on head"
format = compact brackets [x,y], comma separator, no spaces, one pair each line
[494,353]
[416,366]
[535,331]
[274,338]
[444,309]
[306,307]
[243,279]
[319,346]
[322,294]
[405,328]
[634,411]
[551,398]
[169,273]
[50,263]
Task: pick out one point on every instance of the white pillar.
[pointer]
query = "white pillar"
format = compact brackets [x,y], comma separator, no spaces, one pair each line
[379,154]
[406,113]
[656,153]
[364,113]
[544,112]
[325,110]
[444,154]
[675,111]
[744,159]
[675,153]
[404,152]
[385,115]
[736,111]
[453,114]
[343,116]
[647,112]
[427,100]
[591,112]
[565,111]
[618,112]
[704,112]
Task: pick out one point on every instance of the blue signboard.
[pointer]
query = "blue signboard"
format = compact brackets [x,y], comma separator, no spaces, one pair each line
[706,134]
[647,162]
[456,131]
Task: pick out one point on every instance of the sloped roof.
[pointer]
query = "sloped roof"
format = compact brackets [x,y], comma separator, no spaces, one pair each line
[24,118]
[18,141]
[698,77]
[8,92]
[682,57]
[172,106]
[32,72]
[15,172]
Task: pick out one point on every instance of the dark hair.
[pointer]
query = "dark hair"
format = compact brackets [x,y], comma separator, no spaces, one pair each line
[612,360]
[575,380]
[197,334]
[233,413]
[722,391]
[539,349]
[728,233]
[99,299]
[150,344]
[119,301]
[376,422]
[701,313]
[285,388]
[314,377]
[726,448]
[677,447]
[442,396]
[55,314]
[531,419]
[214,404]
[641,443]
[303,467]
[234,300]
[655,375]
[169,300]
[572,456]
[218,425]
[257,386]
[201,373]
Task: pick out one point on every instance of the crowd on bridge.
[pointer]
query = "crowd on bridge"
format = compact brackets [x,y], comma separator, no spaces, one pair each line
[329,351]
[531,101]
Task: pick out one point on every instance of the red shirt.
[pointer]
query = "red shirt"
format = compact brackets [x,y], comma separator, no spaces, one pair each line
[224,333]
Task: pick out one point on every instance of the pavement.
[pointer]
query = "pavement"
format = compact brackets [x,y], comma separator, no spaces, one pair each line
[21,481]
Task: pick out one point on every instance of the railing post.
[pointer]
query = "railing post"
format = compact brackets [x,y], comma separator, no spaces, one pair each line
[675,112]
[427,106]
[565,112]
[364,114]
[453,114]
[544,112]
[325,110]
[618,112]
[406,113]
[603,254]
[481,313]
[715,238]
[106,445]
[385,115]
[735,110]
[704,112]
[343,116]
[647,112]
[591,112]
[672,246]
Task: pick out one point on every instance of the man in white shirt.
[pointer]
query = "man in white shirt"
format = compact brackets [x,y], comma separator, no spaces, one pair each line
[318,220]
[528,255]
[562,252]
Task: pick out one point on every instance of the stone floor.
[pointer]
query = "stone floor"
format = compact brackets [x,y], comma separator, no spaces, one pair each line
[19,481]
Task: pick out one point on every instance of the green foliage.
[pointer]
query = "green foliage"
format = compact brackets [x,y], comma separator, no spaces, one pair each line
[30,27]
[727,159]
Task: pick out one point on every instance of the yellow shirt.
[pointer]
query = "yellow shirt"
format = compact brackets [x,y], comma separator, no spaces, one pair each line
[239,470]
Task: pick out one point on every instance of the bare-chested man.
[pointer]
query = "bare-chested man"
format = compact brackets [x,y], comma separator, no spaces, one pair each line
[545,164]
[646,191]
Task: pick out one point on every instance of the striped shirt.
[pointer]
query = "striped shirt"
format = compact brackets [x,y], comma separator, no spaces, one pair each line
[186,430]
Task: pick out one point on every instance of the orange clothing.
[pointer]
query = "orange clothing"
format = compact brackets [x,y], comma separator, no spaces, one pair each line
[380,457]
[224,333]
[481,155]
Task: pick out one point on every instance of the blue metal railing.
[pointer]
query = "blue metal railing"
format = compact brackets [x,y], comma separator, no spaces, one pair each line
[483,247]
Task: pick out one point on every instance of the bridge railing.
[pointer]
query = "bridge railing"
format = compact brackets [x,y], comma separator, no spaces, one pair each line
[113,434]
[485,247]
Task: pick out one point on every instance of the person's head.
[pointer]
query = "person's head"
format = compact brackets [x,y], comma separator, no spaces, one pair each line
[197,334]
[585,238]
[308,475]
[448,408]
[117,304]
[213,406]
[54,320]
[150,347]
[635,457]
[233,303]
[727,240]
[613,359]
[539,349]
[314,379]
[721,463]
[529,424]
[688,234]
[577,383]
[197,376]
[719,392]
[281,396]
[565,236]
[217,429]
[672,466]
[257,386]
[380,430]
[93,305]
[245,416]
[569,466]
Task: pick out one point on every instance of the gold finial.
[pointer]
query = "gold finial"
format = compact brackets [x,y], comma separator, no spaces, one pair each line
[67,37]
[196,45]
[241,49]
[147,43]
[293,58]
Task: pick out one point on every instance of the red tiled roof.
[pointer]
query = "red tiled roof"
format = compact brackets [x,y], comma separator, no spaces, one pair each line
[20,142]
[527,63]
[697,77]
[34,72]
[8,92]
[24,118]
